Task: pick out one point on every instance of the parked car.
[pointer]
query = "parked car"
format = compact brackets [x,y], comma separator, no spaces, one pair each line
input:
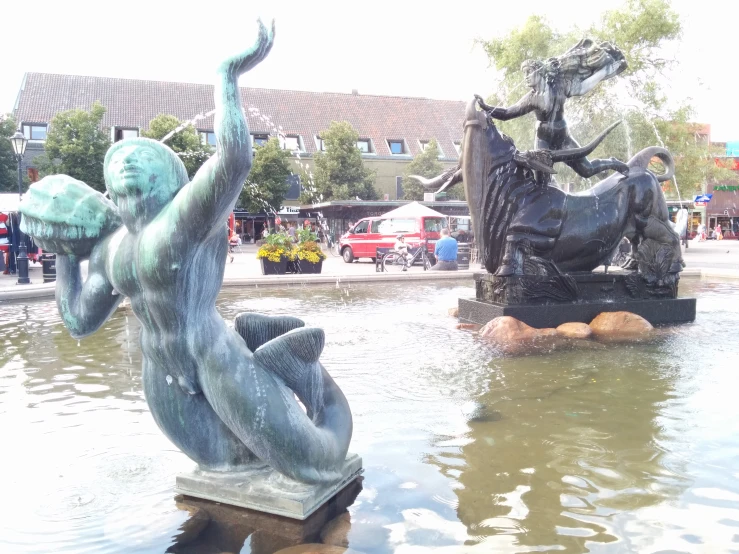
[371,233]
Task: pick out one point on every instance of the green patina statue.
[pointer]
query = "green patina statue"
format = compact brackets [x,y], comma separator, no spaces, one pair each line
[225,396]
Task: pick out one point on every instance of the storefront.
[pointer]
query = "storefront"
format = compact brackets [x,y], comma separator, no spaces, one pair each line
[337,216]
[723,210]
[696,214]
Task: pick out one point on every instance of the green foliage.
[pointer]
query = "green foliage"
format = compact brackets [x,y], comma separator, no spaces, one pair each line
[186,143]
[306,235]
[640,29]
[76,145]
[425,164]
[8,165]
[266,187]
[339,173]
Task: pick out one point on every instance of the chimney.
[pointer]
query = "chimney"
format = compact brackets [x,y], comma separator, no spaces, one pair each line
[355,92]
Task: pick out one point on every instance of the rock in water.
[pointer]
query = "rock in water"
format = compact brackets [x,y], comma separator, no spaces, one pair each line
[513,336]
[316,549]
[620,326]
[575,330]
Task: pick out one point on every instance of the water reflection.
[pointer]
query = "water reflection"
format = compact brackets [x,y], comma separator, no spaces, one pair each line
[628,449]
[560,444]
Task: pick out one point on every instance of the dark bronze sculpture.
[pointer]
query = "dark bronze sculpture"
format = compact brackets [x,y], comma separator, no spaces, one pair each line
[224,396]
[532,231]
[552,82]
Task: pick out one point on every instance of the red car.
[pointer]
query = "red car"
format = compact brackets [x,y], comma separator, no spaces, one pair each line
[371,233]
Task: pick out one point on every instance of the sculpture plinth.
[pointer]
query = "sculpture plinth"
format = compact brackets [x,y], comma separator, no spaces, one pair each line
[265,490]
[539,302]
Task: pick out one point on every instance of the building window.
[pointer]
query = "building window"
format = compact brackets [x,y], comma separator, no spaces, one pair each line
[399,187]
[292,143]
[208,137]
[365,146]
[397,146]
[259,140]
[458,147]
[424,144]
[119,133]
[34,132]
[320,144]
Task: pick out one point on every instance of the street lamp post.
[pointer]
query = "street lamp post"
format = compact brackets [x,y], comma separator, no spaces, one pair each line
[19,147]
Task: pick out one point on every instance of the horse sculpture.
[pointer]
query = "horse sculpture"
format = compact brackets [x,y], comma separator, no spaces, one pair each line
[518,217]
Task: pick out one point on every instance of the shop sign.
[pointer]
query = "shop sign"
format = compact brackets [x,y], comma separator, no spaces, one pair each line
[704,198]
[699,204]
[726,187]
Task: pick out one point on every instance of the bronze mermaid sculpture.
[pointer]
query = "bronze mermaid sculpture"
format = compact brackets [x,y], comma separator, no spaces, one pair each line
[225,396]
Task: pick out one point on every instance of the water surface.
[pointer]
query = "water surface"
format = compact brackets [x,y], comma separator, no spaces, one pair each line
[613,449]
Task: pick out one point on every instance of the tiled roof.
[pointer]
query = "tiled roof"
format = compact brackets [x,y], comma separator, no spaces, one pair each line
[134,103]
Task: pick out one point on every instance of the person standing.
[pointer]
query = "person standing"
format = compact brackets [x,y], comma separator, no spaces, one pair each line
[446,253]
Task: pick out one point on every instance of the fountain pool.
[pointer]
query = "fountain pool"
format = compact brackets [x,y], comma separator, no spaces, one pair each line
[617,448]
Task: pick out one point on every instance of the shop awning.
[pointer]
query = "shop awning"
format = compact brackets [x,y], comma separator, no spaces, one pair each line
[413,209]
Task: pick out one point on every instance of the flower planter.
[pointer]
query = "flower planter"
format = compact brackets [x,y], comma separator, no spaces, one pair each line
[274,268]
[304,266]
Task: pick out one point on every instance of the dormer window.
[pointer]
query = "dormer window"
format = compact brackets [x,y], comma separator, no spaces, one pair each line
[208,137]
[259,140]
[320,145]
[34,131]
[292,143]
[397,147]
[123,133]
[424,145]
[458,147]
[365,146]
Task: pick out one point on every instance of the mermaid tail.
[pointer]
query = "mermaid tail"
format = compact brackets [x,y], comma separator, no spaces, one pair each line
[282,346]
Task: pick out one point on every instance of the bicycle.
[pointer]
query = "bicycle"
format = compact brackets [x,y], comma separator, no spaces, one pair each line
[333,245]
[393,262]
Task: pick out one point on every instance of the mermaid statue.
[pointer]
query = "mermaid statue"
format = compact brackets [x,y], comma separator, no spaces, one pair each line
[225,396]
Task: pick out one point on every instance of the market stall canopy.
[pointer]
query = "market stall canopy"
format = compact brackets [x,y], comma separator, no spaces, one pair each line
[414,209]
[9,202]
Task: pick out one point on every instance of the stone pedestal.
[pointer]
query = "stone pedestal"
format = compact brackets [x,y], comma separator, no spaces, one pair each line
[656,312]
[265,490]
[549,302]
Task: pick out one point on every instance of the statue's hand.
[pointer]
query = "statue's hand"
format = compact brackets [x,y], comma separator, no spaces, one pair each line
[483,105]
[243,62]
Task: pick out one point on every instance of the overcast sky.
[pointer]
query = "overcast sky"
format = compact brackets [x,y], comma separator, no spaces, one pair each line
[388,47]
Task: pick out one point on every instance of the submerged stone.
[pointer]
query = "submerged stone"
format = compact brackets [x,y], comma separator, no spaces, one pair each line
[620,326]
[575,330]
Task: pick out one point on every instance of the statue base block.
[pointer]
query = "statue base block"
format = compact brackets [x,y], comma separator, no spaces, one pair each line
[265,490]
[657,312]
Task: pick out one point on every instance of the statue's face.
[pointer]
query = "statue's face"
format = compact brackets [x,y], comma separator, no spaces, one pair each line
[139,181]
[136,169]
[533,77]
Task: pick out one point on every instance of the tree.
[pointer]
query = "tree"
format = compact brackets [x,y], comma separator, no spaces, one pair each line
[339,173]
[185,142]
[8,165]
[425,164]
[641,29]
[76,145]
[267,184]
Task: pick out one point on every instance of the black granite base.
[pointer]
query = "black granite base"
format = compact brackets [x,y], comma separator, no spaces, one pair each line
[657,312]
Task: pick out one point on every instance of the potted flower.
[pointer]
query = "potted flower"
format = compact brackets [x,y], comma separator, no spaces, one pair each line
[274,254]
[308,254]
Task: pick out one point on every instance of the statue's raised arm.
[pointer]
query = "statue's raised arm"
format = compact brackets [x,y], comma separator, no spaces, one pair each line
[204,204]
